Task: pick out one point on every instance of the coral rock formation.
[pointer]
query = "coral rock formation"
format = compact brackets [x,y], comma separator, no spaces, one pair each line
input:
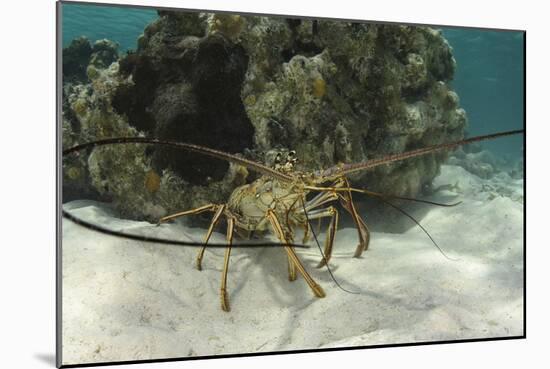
[333,91]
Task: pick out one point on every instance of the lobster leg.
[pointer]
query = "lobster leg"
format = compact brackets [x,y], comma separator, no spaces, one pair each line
[223,289]
[215,220]
[341,190]
[209,207]
[331,231]
[217,209]
[291,270]
[317,201]
[306,233]
[362,230]
[291,266]
[276,225]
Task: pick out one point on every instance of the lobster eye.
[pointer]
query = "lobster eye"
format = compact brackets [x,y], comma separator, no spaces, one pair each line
[292,153]
[278,158]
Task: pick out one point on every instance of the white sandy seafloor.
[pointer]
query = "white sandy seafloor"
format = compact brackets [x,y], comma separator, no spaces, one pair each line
[128,300]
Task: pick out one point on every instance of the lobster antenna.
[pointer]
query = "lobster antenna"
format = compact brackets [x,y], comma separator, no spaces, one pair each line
[412,199]
[343,169]
[252,165]
[323,254]
[417,223]
[378,194]
[135,237]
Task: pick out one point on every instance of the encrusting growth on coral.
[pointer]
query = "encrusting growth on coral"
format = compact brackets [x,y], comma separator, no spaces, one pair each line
[152,181]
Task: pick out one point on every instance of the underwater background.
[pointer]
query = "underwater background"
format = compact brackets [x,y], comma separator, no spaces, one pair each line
[120,24]
[489,78]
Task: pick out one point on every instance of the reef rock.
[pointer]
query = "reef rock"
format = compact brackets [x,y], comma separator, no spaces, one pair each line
[333,91]
[75,59]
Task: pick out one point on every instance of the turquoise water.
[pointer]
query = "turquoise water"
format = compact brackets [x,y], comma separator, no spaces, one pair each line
[120,24]
[489,80]
[489,76]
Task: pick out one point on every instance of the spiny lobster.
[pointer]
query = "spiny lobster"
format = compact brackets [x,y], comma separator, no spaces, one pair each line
[277,201]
